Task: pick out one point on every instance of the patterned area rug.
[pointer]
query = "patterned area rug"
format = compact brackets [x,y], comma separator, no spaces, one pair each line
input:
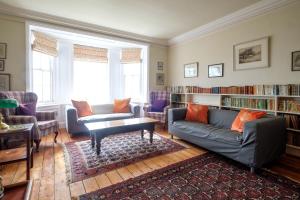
[116,151]
[206,176]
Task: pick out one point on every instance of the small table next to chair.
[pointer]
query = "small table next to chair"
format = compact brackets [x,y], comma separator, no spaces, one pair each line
[22,153]
[100,130]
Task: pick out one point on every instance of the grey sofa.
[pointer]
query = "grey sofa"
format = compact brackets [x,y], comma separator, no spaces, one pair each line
[104,112]
[262,141]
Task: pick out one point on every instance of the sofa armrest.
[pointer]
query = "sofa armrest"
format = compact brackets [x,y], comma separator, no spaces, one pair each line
[269,137]
[147,108]
[166,109]
[71,117]
[135,109]
[175,114]
[46,115]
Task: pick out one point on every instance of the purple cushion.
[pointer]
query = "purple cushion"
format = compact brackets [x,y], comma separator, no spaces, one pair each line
[26,109]
[158,105]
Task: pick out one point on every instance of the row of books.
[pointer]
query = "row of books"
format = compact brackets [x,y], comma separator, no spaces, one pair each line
[177,98]
[265,104]
[293,122]
[284,90]
[178,105]
[289,105]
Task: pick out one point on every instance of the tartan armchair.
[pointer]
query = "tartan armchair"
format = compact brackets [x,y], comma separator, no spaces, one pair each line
[44,122]
[161,116]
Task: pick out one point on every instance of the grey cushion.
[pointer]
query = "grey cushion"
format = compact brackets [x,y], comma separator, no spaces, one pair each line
[221,118]
[105,117]
[210,132]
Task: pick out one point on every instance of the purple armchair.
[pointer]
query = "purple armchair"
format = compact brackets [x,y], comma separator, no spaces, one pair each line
[44,122]
[161,116]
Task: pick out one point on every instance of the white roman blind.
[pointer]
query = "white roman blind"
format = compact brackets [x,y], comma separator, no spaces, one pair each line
[88,53]
[44,43]
[131,55]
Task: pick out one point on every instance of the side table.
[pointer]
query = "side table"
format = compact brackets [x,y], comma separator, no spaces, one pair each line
[21,153]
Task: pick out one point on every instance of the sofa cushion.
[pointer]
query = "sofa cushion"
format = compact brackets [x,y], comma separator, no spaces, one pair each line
[245,116]
[208,131]
[196,113]
[105,117]
[26,109]
[122,105]
[221,118]
[83,108]
[158,105]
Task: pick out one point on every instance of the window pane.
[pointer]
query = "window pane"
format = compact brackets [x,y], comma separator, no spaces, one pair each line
[42,76]
[132,81]
[91,81]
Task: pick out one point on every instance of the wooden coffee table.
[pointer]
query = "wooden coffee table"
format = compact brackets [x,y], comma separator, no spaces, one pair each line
[100,130]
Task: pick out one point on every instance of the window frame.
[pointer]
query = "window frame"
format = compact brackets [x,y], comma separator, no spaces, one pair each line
[52,74]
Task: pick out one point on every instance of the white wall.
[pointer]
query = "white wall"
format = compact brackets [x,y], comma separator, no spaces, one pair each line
[157,53]
[12,32]
[283,27]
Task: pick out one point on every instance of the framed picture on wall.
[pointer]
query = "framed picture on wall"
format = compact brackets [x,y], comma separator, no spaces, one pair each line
[296,61]
[160,65]
[3,47]
[191,70]
[4,82]
[215,70]
[251,55]
[160,79]
[2,62]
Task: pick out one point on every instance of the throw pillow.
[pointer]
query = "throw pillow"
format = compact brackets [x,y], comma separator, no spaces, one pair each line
[245,116]
[197,113]
[158,105]
[26,109]
[121,106]
[83,108]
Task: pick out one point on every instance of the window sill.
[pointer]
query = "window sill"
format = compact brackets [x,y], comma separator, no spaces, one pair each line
[47,106]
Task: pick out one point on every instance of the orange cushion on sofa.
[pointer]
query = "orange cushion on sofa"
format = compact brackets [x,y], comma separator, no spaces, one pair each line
[245,116]
[197,113]
[83,108]
[122,106]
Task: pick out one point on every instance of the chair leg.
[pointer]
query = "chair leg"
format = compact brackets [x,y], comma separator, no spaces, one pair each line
[37,144]
[56,134]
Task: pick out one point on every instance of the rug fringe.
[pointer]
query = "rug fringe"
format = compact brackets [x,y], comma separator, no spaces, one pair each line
[67,164]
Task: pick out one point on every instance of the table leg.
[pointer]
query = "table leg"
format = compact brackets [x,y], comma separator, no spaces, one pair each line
[92,139]
[151,136]
[28,157]
[142,134]
[98,145]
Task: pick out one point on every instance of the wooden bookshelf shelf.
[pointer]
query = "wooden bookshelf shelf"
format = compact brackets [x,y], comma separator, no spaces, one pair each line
[233,107]
[286,112]
[293,130]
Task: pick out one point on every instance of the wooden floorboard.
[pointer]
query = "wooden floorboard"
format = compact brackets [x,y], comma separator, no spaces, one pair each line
[50,178]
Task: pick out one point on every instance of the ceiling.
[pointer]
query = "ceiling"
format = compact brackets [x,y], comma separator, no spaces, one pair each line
[162,19]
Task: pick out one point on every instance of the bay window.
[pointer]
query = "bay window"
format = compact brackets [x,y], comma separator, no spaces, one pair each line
[66,66]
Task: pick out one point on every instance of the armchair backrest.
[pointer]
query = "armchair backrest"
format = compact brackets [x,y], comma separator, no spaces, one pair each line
[162,95]
[20,96]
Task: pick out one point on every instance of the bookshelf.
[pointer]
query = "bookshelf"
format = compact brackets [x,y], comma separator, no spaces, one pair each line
[278,100]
